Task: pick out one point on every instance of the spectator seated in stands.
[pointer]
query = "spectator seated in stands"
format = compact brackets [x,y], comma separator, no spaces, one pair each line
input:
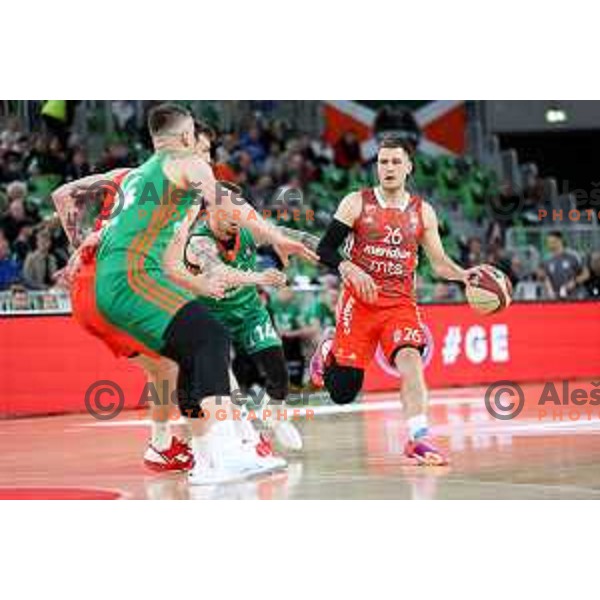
[23,245]
[79,166]
[41,265]
[19,298]
[252,143]
[473,253]
[441,292]
[526,284]
[12,134]
[10,270]
[50,302]
[17,190]
[12,167]
[563,271]
[591,275]
[15,217]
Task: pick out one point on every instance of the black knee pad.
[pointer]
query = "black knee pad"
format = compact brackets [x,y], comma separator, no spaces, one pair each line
[343,383]
[272,366]
[245,371]
[200,345]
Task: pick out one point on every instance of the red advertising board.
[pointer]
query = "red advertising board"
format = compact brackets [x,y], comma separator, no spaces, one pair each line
[48,363]
[527,342]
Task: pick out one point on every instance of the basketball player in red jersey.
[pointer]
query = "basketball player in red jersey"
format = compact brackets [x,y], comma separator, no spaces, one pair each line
[383,227]
[165,452]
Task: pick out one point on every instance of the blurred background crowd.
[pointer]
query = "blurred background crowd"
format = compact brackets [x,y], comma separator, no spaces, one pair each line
[488,204]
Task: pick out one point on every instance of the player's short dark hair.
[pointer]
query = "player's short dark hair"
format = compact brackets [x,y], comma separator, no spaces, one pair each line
[392,140]
[161,118]
[557,234]
[203,128]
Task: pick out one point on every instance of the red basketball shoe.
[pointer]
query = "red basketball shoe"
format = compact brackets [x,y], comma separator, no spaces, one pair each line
[177,457]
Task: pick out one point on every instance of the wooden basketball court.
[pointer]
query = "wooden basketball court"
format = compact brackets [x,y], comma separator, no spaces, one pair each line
[350,453]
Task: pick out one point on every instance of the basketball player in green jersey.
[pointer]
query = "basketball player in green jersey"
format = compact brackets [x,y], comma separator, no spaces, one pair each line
[143,288]
[218,243]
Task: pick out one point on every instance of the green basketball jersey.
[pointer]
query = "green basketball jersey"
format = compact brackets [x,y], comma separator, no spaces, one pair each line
[238,301]
[132,290]
[149,202]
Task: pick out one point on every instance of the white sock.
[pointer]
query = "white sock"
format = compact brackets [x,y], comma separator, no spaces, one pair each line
[418,426]
[161,435]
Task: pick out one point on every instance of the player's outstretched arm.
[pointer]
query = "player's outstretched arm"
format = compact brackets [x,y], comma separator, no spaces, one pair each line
[200,176]
[202,255]
[68,208]
[308,239]
[443,266]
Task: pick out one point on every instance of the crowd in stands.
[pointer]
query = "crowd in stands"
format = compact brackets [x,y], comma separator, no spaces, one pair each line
[267,157]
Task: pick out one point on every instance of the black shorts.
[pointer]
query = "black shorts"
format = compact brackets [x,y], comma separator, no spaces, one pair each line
[200,345]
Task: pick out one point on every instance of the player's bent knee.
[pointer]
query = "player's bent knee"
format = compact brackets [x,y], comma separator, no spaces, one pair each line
[272,365]
[343,383]
[407,358]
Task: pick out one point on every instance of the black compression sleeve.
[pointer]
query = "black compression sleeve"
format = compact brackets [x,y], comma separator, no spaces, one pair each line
[328,248]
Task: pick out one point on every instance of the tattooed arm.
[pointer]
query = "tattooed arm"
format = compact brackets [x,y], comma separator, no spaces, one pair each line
[202,256]
[71,198]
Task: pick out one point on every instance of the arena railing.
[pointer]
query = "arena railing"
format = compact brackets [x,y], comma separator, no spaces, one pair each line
[581,238]
[37,303]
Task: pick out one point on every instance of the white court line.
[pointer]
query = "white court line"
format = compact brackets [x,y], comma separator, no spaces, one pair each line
[490,426]
[329,409]
[530,427]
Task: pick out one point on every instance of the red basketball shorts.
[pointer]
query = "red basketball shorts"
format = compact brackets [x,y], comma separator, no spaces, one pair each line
[86,313]
[361,327]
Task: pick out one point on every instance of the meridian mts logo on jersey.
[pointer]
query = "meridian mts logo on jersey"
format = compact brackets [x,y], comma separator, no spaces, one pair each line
[398,336]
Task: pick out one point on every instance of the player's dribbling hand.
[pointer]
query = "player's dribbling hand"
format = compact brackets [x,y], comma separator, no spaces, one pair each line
[471,275]
[362,282]
[272,277]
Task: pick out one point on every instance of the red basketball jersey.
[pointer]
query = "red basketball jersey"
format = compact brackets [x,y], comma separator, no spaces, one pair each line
[385,244]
